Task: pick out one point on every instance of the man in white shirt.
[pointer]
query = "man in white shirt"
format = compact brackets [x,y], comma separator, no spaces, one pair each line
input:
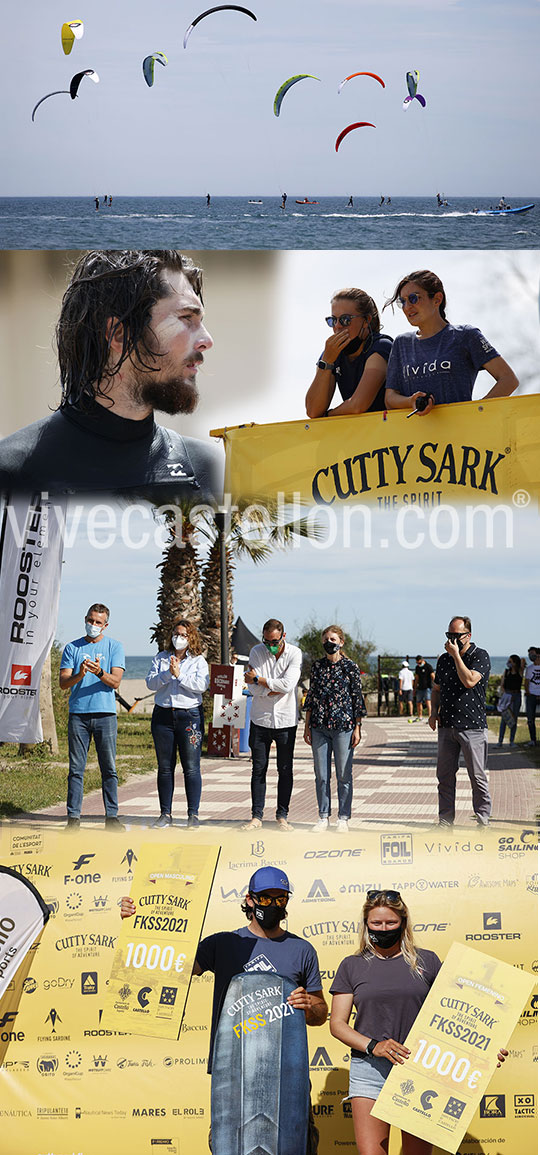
[406,681]
[532,692]
[272,676]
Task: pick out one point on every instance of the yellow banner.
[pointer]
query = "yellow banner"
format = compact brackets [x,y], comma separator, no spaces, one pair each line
[486,451]
[469,1014]
[152,967]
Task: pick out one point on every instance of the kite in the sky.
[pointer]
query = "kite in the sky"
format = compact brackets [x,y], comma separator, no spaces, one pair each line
[412,85]
[72,30]
[345,131]
[79,76]
[373,74]
[148,66]
[73,88]
[218,8]
[284,88]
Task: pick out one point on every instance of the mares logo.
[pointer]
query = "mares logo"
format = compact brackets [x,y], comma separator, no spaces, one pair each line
[21,675]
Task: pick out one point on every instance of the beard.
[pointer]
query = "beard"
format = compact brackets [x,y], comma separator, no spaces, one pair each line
[168,392]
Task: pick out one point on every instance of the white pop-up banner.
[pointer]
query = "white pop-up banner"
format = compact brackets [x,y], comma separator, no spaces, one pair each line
[23,914]
[31,547]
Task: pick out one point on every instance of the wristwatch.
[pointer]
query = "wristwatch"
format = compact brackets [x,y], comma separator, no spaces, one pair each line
[325,364]
[371,1046]
[256,680]
[100,673]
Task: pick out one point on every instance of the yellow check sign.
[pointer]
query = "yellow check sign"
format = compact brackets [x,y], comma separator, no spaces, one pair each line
[469,1014]
[151,972]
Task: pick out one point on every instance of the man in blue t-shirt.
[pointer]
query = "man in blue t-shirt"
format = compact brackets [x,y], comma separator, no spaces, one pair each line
[262,946]
[92,669]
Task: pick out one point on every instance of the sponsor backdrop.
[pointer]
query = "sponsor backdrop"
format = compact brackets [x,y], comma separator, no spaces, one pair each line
[390,460]
[70,1083]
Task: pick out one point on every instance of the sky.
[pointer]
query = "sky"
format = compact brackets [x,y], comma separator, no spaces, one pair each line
[208,124]
[399,583]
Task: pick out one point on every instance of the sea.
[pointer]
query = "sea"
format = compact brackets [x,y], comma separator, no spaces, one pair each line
[138,665]
[258,222]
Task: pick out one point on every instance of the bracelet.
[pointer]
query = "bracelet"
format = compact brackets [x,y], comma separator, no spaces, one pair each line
[371,1046]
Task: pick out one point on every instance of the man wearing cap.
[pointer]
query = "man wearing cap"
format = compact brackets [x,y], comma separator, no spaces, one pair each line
[406,688]
[262,946]
[272,677]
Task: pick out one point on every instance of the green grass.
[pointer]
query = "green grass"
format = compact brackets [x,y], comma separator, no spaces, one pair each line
[522,736]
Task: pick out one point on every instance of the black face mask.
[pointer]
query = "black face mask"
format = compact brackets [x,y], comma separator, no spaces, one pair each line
[384,938]
[459,641]
[352,346]
[331,647]
[269,916]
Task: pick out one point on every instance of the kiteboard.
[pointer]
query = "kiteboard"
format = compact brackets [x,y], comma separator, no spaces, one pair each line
[260,1070]
[503,212]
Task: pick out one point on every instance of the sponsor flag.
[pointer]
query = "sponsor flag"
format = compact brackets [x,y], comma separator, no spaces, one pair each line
[469,1014]
[23,914]
[30,570]
[486,451]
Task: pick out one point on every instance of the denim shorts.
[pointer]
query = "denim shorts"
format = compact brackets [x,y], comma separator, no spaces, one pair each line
[367,1076]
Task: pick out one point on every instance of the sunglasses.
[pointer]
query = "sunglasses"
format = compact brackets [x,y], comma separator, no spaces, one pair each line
[452,637]
[410,299]
[393,895]
[344,320]
[264,899]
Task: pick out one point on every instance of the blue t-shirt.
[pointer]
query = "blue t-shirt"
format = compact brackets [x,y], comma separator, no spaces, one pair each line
[228,953]
[349,370]
[446,364]
[90,696]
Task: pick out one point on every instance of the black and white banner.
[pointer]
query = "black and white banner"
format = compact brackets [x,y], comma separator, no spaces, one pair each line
[31,547]
[23,914]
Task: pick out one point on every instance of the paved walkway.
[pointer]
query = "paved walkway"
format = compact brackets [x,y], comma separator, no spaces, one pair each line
[394,781]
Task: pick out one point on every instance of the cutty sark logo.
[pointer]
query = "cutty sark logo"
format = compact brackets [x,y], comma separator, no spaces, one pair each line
[391,466]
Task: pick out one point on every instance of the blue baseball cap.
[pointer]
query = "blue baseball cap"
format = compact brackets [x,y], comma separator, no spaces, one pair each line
[268,878]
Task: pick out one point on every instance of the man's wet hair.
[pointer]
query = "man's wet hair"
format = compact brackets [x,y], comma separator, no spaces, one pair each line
[108,291]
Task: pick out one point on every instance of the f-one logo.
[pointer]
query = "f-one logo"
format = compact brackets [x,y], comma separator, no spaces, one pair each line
[492,920]
[396,849]
[21,675]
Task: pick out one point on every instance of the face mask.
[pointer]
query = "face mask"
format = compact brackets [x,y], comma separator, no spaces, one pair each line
[532,655]
[384,938]
[352,346]
[273,647]
[179,642]
[455,638]
[331,647]
[92,631]
[269,916]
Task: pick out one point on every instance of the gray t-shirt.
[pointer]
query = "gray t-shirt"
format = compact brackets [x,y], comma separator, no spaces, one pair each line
[446,364]
[386,993]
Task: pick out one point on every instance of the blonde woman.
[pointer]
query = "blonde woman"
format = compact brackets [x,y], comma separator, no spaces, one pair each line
[334,708]
[179,676]
[387,981]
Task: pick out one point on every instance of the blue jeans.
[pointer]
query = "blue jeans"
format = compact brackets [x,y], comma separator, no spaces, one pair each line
[102,728]
[515,706]
[178,730]
[323,743]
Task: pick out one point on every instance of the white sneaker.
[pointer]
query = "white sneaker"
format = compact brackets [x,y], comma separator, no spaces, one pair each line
[342,825]
[322,824]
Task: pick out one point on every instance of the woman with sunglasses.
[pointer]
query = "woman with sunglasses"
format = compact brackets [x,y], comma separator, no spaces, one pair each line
[440,361]
[354,358]
[179,676]
[387,981]
[334,710]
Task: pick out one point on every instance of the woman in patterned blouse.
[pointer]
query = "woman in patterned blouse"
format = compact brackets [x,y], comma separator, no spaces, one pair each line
[334,709]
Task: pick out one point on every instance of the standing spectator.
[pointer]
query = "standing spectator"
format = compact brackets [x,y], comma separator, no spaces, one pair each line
[423,681]
[272,676]
[334,709]
[532,691]
[179,676]
[92,668]
[406,682]
[510,696]
[458,708]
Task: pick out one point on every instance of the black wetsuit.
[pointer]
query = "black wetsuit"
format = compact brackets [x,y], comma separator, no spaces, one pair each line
[74,452]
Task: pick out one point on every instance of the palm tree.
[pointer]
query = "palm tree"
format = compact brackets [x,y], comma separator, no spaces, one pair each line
[179,587]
